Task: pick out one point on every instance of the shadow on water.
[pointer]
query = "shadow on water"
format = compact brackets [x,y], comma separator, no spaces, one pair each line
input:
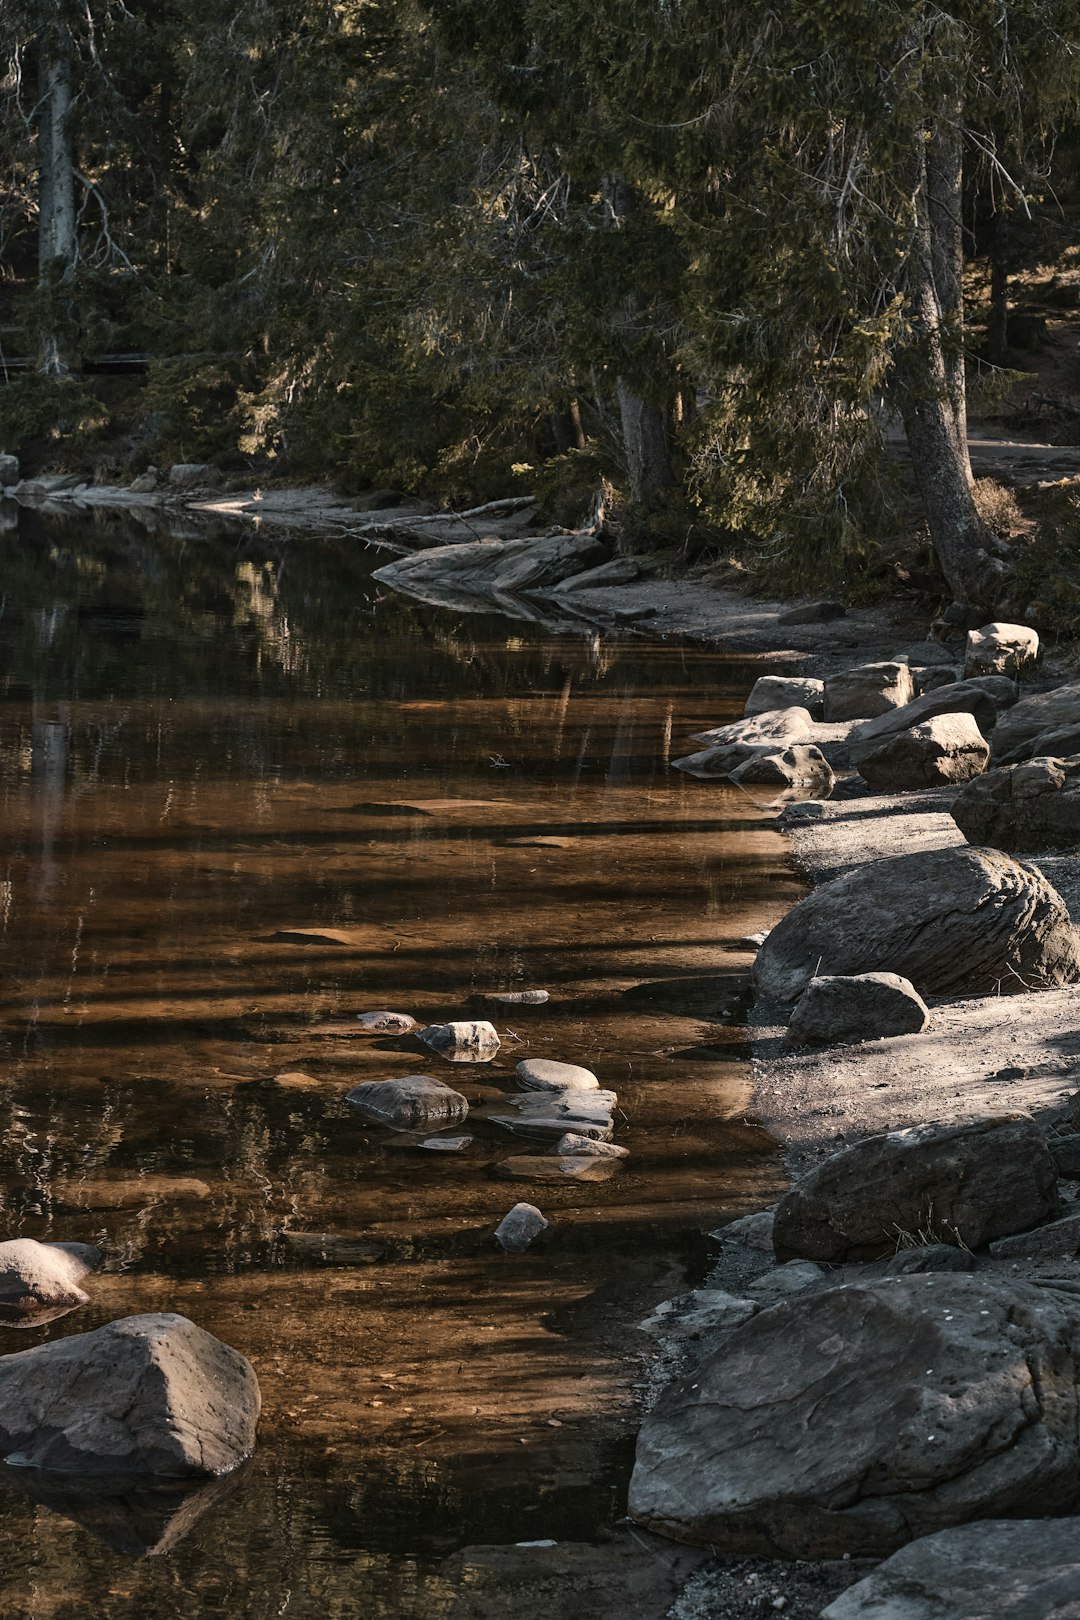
[244,797]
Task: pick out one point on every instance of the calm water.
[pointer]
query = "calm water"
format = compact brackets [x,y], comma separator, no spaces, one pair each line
[246,796]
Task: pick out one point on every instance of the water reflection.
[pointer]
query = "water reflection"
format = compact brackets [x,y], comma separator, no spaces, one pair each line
[243,799]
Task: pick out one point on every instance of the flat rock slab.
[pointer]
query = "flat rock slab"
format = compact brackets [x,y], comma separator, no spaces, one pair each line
[566,1168]
[148,1396]
[790,724]
[952,921]
[518,998]
[1044,711]
[468,1041]
[703,1312]
[854,1419]
[416,1102]
[835,1008]
[570,1143]
[544,1074]
[1001,1569]
[553,1114]
[1055,1240]
[965,1183]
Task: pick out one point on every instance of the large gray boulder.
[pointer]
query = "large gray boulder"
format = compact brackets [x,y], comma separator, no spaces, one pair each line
[1000,649]
[1031,806]
[954,921]
[959,697]
[42,1279]
[1020,1569]
[959,1183]
[519,1228]
[869,690]
[836,1008]
[946,749]
[799,766]
[852,1419]
[772,692]
[416,1102]
[1017,733]
[147,1396]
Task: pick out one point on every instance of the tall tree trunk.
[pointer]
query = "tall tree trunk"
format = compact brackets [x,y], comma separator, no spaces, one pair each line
[932,391]
[56,177]
[645,443]
[645,424]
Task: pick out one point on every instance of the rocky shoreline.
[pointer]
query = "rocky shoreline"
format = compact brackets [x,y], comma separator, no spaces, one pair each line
[875,1262]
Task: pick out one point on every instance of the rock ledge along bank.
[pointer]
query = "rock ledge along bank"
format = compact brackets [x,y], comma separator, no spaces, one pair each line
[894,1352]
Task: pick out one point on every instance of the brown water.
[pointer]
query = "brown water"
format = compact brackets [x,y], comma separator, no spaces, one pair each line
[209,745]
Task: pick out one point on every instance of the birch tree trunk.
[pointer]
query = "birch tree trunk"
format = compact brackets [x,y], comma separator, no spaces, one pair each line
[56,177]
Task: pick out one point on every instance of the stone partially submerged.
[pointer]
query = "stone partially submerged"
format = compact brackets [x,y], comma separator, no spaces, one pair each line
[41,1280]
[725,748]
[952,921]
[149,1396]
[1001,1569]
[416,1102]
[836,1008]
[799,766]
[856,1418]
[964,1183]
[467,1041]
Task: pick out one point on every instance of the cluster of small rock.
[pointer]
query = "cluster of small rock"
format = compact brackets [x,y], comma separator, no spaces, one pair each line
[559,1107]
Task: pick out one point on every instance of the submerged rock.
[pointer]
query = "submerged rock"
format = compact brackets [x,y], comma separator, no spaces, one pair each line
[386,1023]
[520,1228]
[852,1419]
[39,1279]
[146,1396]
[951,921]
[704,1312]
[518,998]
[836,1008]
[969,1183]
[417,1102]
[471,1041]
[1007,1569]
[565,1167]
[552,1114]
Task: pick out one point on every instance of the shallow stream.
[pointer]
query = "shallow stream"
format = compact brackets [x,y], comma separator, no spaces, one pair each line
[246,796]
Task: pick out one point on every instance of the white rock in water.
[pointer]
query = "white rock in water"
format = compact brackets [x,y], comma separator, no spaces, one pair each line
[519,1228]
[588,1148]
[386,1023]
[552,1114]
[470,1041]
[543,1074]
[416,1102]
[519,998]
[144,1397]
[38,1278]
